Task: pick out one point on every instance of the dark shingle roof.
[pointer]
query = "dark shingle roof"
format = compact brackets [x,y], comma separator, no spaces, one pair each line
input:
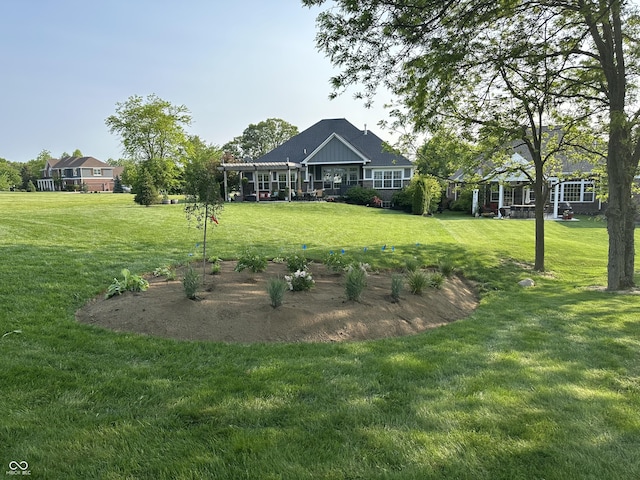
[301,146]
[75,162]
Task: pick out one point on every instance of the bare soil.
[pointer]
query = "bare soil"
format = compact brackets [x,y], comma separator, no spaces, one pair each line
[235,307]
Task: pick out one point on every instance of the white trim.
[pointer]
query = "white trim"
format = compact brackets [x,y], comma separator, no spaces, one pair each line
[365,160]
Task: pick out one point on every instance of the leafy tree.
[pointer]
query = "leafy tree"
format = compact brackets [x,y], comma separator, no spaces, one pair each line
[9,175]
[77,153]
[425,190]
[578,56]
[147,193]
[202,188]
[153,137]
[31,171]
[259,139]
[443,153]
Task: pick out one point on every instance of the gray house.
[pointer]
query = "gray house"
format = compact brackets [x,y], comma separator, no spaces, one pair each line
[509,191]
[324,161]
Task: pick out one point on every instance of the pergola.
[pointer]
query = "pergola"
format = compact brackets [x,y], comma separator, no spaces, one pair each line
[257,167]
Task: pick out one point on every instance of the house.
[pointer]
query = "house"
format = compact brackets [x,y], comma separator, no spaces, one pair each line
[77,173]
[509,190]
[324,160]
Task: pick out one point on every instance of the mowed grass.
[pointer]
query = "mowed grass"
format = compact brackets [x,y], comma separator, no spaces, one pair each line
[539,383]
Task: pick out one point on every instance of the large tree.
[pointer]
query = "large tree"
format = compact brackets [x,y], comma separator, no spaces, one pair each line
[425,51]
[9,175]
[152,133]
[259,139]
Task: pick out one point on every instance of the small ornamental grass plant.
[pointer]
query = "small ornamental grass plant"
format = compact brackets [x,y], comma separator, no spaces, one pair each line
[130,283]
[253,261]
[276,287]
[356,281]
[446,267]
[191,281]
[417,281]
[436,280]
[299,281]
[397,283]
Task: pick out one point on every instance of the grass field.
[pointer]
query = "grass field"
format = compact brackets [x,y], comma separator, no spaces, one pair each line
[540,383]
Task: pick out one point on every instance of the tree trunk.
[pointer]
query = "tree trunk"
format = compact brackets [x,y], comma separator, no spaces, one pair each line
[541,199]
[620,210]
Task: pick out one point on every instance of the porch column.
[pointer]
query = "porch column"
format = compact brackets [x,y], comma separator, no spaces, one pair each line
[474,206]
[289,181]
[500,199]
[255,183]
[556,199]
[226,187]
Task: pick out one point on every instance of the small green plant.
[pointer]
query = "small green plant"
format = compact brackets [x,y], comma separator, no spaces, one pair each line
[215,265]
[335,262]
[297,262]
[253,261]
[397,283]
[417,282]
[168,272]
[355,281]
[446,267]
[299,281]
[130,282]
[436,280]
[411,265]
[276,288]
[190,282]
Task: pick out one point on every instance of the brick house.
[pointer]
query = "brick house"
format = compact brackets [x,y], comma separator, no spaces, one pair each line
[71,173]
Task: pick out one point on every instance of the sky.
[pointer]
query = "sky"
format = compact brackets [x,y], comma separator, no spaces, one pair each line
[65,64]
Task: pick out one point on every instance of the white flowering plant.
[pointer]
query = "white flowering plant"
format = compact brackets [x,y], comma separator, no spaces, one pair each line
[300,280]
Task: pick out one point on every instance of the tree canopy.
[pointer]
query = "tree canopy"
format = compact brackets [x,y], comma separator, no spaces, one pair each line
[504,70]
[258,139]
[149,128]
[153,137]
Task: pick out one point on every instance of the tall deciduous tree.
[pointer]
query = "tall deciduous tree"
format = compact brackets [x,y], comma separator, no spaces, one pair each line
[575,53]
[152,135]
[259,139]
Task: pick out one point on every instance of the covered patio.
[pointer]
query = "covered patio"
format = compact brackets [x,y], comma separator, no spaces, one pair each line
[259,181]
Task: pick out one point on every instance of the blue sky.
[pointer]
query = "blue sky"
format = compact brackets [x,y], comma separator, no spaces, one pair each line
[66,63]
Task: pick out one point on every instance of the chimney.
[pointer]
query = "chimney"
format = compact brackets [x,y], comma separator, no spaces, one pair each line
[365,129]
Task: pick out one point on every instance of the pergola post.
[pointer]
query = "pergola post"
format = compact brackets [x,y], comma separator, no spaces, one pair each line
[226,187]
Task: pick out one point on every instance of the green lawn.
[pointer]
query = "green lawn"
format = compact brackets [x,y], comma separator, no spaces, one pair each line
[541,383]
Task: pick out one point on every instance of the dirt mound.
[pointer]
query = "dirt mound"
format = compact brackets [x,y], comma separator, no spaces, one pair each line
[235,307]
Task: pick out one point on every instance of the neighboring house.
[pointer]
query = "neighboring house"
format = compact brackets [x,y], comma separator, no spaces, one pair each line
[573,184]
[324,160]
[72,173]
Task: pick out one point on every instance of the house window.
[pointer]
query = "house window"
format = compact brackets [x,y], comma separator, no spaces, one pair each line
[387,179]
[588,194]
[263,181]
[495,195]
[282,180]
[571,192]
[407,173]
[334,177]
[97,172]
[367,174]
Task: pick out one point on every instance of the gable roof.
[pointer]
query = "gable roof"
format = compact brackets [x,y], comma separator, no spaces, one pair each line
[305,147]
[76,162]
